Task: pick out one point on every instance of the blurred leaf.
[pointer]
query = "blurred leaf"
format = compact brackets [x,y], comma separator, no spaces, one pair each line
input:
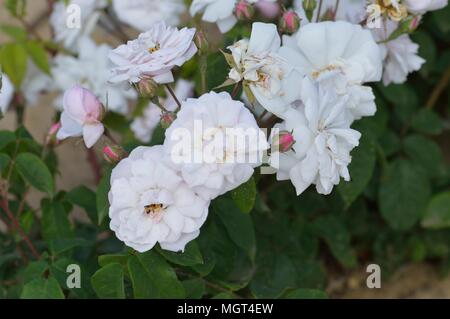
[191,255]
[41,288]
[35,270]
[333,231]
[428,122]
[403,98]
[16,7]
[38,55]
[404,194]
[35,172]
[13,58]
[108,282]
[437,214]
[361,170]
[425,153]
[195,288]
[55,223]
[427,50]
[305,294]
[245,195]
[16,33]
[239,226]
[86,199]
[6,137]
[102,201]
[152,277]
[104,260]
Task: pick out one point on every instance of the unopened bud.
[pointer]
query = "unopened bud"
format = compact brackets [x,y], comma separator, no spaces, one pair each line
[167,119]
[114,154]
[284,141]
[289,22]
[201,42]
[51,139]
[147,88]
[244,10]
[309,6]
[413,23]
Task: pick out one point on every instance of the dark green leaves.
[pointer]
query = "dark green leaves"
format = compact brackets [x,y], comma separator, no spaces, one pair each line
[108,282]
[55,224]
[152,277]
[102,201]
[404,194]
[190,257]
[42,289]
[437,214]
[245,195]
[13,58]
[84,198]
[35,172]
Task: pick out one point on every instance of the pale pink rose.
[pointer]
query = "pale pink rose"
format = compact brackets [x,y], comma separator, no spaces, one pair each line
[81,116]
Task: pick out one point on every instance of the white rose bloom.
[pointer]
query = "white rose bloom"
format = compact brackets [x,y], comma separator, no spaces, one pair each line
[35,83]
[150,203]
[142,14]
[323,138]
[6,93]
[64,20]
[260,65]
[340,55]
[216,143]
[144,126]
[422,6]
[400,55]
[153,54]
[353,11]
[92,70]
[216,11]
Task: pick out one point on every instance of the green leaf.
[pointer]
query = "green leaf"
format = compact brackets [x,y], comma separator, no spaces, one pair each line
[38,55]
[41,288]
[4,162]
[35,172]
[55,224]
[35,270]
[108,282]
[305,294]
[404,194]
[102,201]
[427,50]
[113,258]
[239,226]
[190,257]
[152,277]
[427,122]
[16,8]
[6,137]
[361,170]
[86,199]
[13,58]
[334,232]
[14,32]
[437,214]
[424,152]
[245,195]
[195,288]
[404,99]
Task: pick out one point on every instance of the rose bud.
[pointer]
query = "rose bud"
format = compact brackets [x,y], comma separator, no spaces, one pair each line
[309,6]
[283,141]
[51,139]
[244,10]
[114,154]
[268,8]
[289,22]
[167,119]
[146,88]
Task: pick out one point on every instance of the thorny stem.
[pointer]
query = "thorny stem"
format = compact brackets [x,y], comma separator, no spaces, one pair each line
[438,89]
[172,93]
[203,67]
[319,11]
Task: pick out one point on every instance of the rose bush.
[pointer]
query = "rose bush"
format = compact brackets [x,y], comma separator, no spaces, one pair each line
[239,148]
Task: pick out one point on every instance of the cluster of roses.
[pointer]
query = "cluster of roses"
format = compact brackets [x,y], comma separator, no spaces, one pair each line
[311,82]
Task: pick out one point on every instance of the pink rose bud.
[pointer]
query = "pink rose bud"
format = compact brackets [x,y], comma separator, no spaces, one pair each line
[114,154]
[147,88]
[167,119]
[290,22]
[244,10]
[201,42]
[415,21]
[51,139]
[284,141]
[269,9]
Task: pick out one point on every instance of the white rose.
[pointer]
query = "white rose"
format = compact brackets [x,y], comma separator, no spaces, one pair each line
[422,6]
[153,54]
[323,141]
[342,56]
[151,204]
[216,143]
[216,11]
[142,14]
[258,63]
